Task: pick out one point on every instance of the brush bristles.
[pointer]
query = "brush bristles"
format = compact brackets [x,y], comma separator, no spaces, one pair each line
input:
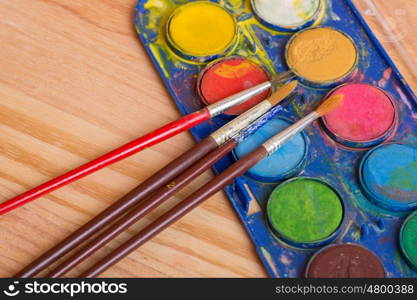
[329,104]
[283,92]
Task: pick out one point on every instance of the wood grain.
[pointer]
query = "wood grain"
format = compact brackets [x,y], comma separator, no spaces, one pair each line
[74,84]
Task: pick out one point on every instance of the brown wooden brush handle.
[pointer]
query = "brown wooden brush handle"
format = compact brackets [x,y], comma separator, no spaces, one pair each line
[143,208]
[178,211]
[119,208]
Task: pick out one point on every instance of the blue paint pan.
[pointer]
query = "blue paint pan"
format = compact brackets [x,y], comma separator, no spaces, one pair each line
[388,176]
[284,163]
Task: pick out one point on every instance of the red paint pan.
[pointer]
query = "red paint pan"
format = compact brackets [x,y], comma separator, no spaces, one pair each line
[229,76]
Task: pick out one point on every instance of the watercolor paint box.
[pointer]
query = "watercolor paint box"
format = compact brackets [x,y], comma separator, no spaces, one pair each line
[338,163]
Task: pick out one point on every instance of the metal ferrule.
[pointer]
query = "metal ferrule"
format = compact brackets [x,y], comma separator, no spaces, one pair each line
[229,130]
[281,78]
[236,99]
[276,142]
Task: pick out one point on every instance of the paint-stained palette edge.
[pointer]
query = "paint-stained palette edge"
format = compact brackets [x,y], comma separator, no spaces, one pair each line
[231,191]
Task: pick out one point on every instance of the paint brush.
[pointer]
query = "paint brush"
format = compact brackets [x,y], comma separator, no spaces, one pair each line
[146,141]
[219,182]
[167,191]
[156,181]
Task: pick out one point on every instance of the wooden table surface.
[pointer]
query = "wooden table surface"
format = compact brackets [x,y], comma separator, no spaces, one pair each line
[76,83]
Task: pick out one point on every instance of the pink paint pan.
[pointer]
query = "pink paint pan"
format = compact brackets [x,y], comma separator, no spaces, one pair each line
[367,116]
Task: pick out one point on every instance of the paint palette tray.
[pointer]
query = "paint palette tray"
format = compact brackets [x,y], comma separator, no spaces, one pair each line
[350,169]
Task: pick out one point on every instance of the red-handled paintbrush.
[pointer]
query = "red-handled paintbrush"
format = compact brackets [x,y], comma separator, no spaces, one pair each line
[219,182]
[155,182]
[141,143]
